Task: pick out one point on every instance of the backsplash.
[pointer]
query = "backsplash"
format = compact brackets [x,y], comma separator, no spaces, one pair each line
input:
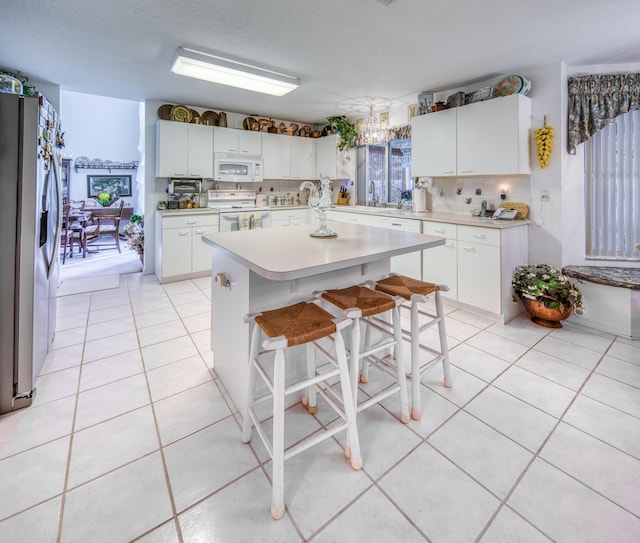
[463,195]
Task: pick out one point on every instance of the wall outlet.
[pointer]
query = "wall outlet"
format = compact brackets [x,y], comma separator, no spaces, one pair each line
[544,196]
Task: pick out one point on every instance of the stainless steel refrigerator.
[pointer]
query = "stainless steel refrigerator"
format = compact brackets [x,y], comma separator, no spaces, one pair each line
[30,209]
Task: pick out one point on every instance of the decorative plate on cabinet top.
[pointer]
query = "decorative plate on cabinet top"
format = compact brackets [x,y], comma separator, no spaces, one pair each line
[164,112]
[181,114]
[249,123]
[210,118]
[456,99]
[512,84]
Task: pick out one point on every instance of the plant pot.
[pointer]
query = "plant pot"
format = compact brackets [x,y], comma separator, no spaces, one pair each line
[545,316]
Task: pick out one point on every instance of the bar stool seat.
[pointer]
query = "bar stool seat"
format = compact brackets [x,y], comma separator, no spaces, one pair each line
[416,291]
[304,323]
[365,306]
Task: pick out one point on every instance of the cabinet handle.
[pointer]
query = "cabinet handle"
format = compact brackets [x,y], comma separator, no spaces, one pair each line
[232,150]
[192,221]
[450,246]
[447,171]
[479,236]
[353,220]
[184,233]
[439,230]
[395,224]
[195,174]
[466,171]
[470,249]
[199,231]
[178,173]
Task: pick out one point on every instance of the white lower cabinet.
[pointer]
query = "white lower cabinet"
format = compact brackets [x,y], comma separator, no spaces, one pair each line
[408,264]
[285,218]
[477,263]
[180,252]
[440,264]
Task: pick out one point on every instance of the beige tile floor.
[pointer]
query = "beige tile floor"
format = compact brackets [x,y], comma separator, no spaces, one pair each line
[130,438]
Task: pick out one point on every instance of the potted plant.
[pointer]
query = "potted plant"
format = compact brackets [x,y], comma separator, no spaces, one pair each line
[547,295]
[345,129]
[135,231]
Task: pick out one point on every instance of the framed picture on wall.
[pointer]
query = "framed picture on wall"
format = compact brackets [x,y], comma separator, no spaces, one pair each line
[65,177]
[119,185]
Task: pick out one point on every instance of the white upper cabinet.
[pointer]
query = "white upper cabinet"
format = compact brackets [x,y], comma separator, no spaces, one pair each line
[276,156]
[433,144]
[326,157]
[184,150]
[303,158]
[485,138]
[493,136]
[230,140]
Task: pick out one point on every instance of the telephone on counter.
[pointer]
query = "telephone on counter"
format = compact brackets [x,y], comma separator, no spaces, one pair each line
[504,213]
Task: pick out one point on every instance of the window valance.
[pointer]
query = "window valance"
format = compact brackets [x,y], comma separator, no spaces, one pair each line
[595,100]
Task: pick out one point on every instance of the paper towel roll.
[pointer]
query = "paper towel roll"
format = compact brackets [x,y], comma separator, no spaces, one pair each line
[419,200]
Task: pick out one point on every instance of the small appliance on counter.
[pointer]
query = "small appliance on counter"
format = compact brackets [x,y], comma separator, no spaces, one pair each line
[185,186]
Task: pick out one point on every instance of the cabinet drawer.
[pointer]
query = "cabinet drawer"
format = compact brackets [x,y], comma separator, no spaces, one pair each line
[441,229]
[188,221]
[406,225]
[475,234]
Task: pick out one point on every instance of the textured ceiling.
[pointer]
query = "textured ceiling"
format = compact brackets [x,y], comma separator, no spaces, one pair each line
[340,49]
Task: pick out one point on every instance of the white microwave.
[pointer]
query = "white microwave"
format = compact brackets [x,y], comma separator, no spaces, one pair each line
[237,168]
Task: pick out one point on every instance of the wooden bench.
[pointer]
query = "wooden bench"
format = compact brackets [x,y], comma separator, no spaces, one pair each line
[611,298]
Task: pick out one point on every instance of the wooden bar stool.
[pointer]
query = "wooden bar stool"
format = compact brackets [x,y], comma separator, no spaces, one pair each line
[304,323]
[416,292]
[365,306]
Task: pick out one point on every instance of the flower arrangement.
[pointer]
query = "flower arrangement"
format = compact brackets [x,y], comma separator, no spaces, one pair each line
[546,284]
[135,231]
[106,198]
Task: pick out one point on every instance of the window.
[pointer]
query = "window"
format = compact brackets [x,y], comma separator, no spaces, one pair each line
[612,190]
[384,171]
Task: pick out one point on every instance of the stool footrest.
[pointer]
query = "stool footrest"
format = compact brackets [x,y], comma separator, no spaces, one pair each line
[385,393]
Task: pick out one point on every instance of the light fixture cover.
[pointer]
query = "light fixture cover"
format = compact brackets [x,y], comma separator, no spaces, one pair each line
[233,73]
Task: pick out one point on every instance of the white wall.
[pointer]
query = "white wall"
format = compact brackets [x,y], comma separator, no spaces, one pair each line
[99,127]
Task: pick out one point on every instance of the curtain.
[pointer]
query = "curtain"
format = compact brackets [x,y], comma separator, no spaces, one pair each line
[596,100]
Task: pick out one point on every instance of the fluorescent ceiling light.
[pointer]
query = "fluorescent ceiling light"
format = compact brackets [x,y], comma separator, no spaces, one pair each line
[232,73]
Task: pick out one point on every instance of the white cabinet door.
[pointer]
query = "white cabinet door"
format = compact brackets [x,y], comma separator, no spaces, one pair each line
[440,264]
[479,268]
[302,158]
[493,137]
[225,140]
[176,251]
[200,252]
[433,144]
[409,264]
[249,142]
[327,156]
[276,155]
[184,150]
[200,150]
[171,149]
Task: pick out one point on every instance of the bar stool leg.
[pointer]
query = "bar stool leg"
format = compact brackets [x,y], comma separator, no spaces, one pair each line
[309,399]
[352,450]
[363,368]
[277,471]
[443,342]
[251,384]
[415,363]
[401,372]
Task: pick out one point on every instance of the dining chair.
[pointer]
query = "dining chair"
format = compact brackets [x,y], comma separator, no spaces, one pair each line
[72,231]
[105,224]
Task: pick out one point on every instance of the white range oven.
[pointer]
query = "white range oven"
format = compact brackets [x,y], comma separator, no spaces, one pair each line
[238,210]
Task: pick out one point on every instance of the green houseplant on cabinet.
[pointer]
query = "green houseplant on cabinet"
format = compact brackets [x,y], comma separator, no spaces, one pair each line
[345,129]
[547,295]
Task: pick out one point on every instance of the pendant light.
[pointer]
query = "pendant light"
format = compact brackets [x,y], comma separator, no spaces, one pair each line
[372,131]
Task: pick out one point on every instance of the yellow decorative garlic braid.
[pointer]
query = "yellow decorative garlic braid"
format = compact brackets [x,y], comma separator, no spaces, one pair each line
[544,143]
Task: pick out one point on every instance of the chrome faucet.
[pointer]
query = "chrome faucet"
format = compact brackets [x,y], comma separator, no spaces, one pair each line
[372,192]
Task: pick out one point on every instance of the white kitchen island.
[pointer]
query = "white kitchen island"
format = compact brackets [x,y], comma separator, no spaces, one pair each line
[257,270]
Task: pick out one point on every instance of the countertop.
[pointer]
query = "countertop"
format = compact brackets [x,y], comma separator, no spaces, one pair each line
[435,216]
[268,252]
[187,211]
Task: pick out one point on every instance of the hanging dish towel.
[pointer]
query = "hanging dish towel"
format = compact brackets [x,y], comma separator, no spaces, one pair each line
[255,222]
[243,220]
